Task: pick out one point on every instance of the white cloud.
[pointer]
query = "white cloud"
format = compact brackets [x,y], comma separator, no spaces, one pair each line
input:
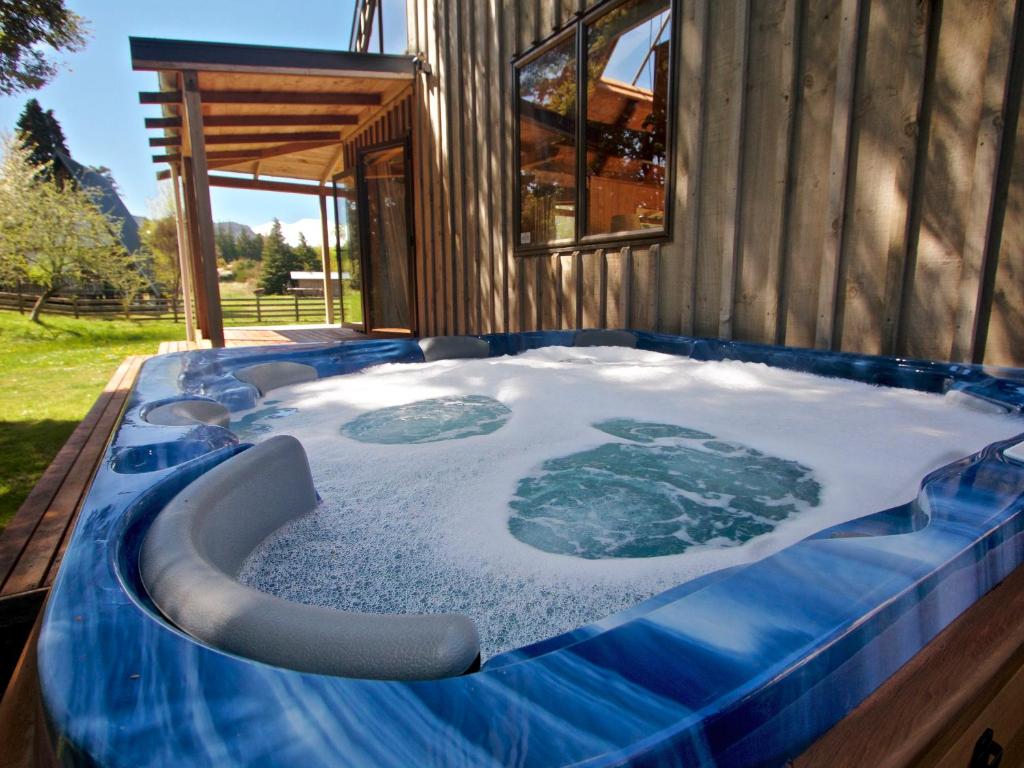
[309,227]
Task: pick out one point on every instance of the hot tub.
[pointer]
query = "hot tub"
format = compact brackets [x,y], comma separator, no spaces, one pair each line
[745,664]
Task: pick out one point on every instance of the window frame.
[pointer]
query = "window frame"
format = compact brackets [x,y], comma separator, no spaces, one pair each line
[578,29]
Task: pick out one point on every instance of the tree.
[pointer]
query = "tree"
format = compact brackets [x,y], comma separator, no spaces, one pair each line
[227,246]
[27,29]
[159,235]
[54,236]
[307,255]
[278,261]
[249,246]
[42,136]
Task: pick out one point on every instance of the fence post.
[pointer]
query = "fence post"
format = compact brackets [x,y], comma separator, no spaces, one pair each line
[296,297]
[21,307]
[74,304]
[174,307]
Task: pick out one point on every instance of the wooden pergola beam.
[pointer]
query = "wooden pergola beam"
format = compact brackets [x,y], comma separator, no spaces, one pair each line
[257,121]
[263,185]
[163,122]
[204,213]
[195,257]
[224,154]
[190,55]
[184,259]
[335,98]
[276,121]
[250,138]
[235,156]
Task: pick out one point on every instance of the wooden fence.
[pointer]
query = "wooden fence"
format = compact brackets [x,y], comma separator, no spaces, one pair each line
[245,310]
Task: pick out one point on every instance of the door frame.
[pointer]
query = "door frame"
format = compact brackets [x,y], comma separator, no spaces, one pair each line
[362,203]
[351,176]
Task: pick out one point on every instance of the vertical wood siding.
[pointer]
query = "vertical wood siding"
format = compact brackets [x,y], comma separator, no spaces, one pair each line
[849,174]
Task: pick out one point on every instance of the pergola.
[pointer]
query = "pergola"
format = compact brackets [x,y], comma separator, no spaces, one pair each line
[265,118]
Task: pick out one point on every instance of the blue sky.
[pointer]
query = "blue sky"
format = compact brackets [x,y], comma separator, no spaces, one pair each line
[95,96]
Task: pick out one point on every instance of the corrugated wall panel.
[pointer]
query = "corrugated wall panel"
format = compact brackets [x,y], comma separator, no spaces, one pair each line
[859,218]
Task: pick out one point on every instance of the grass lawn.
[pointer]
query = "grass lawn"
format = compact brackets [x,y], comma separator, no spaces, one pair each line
[312,307]
[50,376]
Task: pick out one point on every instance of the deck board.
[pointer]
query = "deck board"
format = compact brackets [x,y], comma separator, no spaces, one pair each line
[33,570]
[38,510]
[33,543]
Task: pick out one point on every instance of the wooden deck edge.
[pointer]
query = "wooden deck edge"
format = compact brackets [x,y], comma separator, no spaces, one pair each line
[24,742]
[23,525]
[33,565]
[31,543]
[917,716]
[122,395]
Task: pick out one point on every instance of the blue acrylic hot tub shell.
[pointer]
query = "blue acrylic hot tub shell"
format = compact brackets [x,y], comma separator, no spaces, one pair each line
[742,667]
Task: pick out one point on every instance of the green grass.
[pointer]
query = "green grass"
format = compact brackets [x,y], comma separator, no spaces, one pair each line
[51,375]
[311,308]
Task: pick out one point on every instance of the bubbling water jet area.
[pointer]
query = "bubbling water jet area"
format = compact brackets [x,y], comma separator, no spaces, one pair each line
[540,492]
[546,548]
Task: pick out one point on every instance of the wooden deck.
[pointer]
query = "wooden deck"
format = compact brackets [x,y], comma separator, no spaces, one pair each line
[32,544]
[259,337]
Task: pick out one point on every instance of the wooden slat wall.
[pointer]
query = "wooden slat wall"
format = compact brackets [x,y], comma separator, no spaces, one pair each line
[394,122]
[845,177]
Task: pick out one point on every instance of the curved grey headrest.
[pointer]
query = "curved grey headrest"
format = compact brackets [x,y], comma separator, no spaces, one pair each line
[453,348]
[186,413]
[196,546]
[603,338]
[268,376]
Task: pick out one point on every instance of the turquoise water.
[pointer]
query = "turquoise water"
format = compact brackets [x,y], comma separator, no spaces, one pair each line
[429,421]
[255,423]
[666,490]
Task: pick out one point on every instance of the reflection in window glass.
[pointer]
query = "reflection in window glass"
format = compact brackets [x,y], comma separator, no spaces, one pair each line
[346,239]
[547,146]
[627,95]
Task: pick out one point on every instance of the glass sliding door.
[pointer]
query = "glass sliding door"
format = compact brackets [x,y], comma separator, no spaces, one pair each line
[347,251]
[386,239]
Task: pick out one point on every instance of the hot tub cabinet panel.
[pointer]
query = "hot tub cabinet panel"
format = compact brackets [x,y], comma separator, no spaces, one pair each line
[743,667]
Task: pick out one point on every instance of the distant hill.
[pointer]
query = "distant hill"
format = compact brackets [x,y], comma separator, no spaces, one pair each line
[233,228]
[107,198]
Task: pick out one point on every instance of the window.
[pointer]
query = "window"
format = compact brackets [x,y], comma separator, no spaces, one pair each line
[619,149]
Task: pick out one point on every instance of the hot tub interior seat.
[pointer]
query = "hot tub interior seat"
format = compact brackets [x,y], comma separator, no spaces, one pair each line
[196,546]
[186,413]
[453,348]
[600,337]
[268,376]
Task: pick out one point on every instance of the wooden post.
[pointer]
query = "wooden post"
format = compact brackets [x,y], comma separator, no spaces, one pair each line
[259,316]
[21,300]
[296,297]
[204,215]
[183,262]
[74,304]
[195,257]
[325,260]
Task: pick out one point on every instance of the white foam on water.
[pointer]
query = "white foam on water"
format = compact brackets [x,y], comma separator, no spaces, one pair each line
[423,528]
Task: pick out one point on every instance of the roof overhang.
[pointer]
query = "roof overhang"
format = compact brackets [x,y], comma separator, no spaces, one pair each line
[155,54]
[268,111]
